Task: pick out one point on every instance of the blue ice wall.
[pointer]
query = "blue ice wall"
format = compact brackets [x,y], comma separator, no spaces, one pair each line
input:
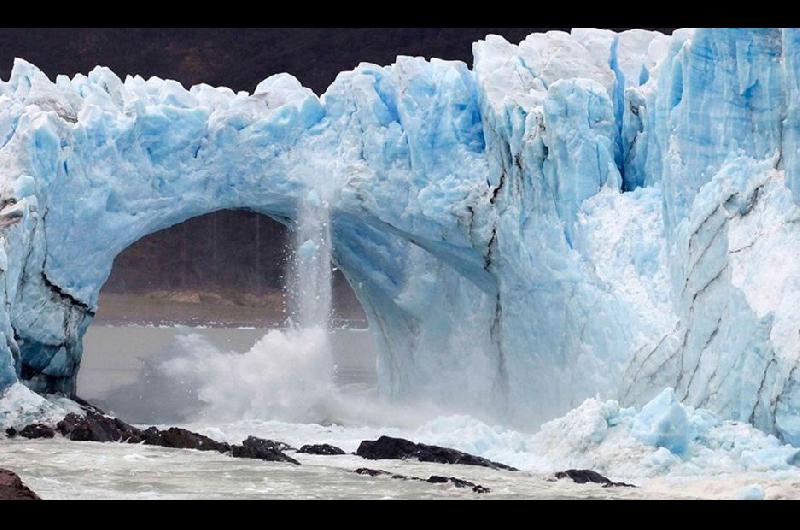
[581,213]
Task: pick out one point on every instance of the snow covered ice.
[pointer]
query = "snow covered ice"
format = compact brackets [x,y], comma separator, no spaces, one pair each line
[581,215]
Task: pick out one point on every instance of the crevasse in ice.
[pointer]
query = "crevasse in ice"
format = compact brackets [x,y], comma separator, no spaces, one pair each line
[580,214]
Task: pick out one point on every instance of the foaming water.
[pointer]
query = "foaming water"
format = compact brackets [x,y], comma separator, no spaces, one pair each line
[288,375]
[285,376]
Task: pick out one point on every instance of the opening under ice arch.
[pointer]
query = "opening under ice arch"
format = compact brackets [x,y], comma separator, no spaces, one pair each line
[476,213]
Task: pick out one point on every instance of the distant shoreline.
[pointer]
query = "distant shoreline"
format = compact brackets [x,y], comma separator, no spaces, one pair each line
[206,309]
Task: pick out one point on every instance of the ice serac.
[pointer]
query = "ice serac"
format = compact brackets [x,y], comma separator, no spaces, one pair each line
[719,117]
[582,213]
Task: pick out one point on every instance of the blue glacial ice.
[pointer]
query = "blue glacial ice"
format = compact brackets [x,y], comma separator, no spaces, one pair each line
[663,437]
[580,214]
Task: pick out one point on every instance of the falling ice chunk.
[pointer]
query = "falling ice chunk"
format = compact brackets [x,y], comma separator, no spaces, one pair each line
[307,250]
[314,199]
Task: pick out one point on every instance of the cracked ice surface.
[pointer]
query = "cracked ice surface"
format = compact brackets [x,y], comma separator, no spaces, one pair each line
[581,214]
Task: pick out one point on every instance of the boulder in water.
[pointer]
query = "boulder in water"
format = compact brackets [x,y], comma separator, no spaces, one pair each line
[433,479]
[321,449]
[583,476]
[182,439]
[96,427]
[262,449]
[37,430]
[387,447]
[458,483]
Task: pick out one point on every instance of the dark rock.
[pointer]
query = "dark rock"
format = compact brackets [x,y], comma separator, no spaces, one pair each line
[95,427]
[380,472]
[69,423]
[37,430]
[12,488]
[387,447]
[582,476]
[321,449]
[261,449]
[458,483]
[435,479]
[182,439]
[152,436]
[371,472]
[85,405]
[253,441]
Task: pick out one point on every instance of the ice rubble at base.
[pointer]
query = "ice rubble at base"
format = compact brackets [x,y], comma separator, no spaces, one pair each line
[663,438]
[478,213]
[752,492]
[20,406]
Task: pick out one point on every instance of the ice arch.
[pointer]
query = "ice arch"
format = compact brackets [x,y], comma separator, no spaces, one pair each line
[477,213]
[111,162]
[425,184]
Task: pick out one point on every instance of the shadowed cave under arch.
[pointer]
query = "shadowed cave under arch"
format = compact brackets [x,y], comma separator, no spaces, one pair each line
[225,268]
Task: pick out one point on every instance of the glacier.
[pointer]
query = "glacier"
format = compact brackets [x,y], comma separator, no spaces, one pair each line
[580,214]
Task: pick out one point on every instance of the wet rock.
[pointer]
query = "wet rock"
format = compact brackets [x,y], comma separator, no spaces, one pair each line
[88,407]
[370,472]
[459,483]
[271,444]
[252,447]
[95,427]
[377,473]
[152,436]
[182,439]
[387,447]
[434,479]
[37,430]
[583,476]
[261,449]
[13,489]
[321,449]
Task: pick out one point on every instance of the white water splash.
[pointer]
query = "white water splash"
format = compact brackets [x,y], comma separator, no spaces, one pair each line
[287,374]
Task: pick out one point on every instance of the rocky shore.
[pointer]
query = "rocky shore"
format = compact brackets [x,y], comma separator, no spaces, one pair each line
[96,426]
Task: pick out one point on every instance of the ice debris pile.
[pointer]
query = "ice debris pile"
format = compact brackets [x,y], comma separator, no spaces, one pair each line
[578,214]
[663,438]
[20,406]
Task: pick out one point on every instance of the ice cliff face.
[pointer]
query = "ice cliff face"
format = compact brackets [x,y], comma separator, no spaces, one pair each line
[578,214]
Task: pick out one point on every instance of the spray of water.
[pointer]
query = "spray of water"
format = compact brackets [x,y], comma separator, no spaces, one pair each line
[289,374]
